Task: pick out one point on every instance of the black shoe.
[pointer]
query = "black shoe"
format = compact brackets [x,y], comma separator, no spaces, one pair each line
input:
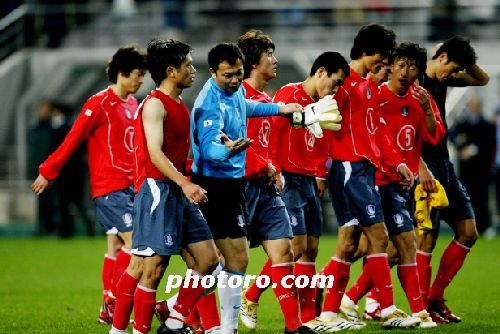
[163,329]
[301,330]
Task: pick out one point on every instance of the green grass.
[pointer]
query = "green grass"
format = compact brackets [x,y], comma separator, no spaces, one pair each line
[53,286]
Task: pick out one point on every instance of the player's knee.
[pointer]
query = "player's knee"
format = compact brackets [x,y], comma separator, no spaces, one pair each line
[209,264]
[310,254]
[468,239]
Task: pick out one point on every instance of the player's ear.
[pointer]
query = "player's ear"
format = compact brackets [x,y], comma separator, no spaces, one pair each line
[443,57]
[170,72]
[212,73]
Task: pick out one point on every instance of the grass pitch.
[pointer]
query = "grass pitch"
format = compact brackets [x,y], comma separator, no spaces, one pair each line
[53,286]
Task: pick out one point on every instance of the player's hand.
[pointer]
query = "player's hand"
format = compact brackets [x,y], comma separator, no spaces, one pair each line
[290,108]
[427,180]
[321,183]
[280,182]
[237,145]
[271,173]
[40,184]
[407,178]
[323,114]
[422,97]
[194,193]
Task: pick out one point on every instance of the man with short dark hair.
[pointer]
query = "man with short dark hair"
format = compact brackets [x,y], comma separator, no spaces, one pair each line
[106,122]
[453,64]
[219,142]
[166,218]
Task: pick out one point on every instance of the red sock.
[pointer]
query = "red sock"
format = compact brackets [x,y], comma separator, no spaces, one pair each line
[253,292]
[380,274]
[451,262]
[188,296]
[209,313]
[122,261]
[408,276]
[287,297]
[340,270]
[125,290]
[361,287]
[193,318]
[306,295]
[424,269]
[144,308]
[107,272]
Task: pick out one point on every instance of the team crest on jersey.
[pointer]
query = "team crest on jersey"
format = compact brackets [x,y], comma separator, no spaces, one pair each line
[128,139]
[370,210]
[264,133]
[398,219]
[241,221]
[168,240]
[404,111]
[310,140]
[293,221]
[128,113]
[368,93]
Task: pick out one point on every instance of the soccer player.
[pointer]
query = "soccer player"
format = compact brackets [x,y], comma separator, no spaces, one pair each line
[219,142]
[295,154]
[165,212]
[106,122]
[268,219]
[453,64]
[412,117]
[357,150]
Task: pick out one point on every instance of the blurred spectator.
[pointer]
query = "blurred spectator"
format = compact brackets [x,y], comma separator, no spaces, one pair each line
[174,13]
[124,9]
[474,138]
[39,141]
[69,186]
[443,23]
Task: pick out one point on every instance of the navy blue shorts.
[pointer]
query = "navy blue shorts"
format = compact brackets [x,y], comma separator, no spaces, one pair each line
[303,204]
[460,205]
[267,215]
[354,198]
[226,212]
[114,211]
[165,221]
[396,207]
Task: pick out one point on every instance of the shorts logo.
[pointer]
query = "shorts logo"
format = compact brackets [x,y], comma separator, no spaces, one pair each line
[207,122]
[370,210]
[293,221]
[398,219]
[241,221]
[127,219]
[168,240]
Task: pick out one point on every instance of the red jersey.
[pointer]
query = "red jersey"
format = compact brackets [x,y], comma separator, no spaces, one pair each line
[363,135]
[295,150]
[175,139]
[106,123]
[258,129]
[406,123]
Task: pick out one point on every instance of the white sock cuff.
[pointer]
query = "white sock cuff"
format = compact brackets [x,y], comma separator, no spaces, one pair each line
[407,265]
[424,253]
[376,255]
[334,258]
[305,263]
[125,250]
[461,246]
[284,264]
[113,258]
[143,288]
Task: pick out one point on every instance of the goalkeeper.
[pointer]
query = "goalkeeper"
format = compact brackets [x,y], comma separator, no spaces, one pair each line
[296,153]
